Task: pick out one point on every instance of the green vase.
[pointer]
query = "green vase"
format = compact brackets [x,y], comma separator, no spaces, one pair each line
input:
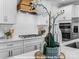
[50,40]
[51,52]
[51,48]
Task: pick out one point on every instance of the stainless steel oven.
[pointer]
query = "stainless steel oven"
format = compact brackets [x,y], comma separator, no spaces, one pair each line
[66,31]
[75,28]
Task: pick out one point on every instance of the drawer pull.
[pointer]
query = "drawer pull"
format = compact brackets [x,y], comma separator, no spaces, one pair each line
[10,45]
[9,53]
[35,47]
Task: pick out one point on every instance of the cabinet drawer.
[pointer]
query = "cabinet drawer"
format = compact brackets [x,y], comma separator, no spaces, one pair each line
[31,43]
[4,54]
[17,51]
[29,48]
[3,45]
[14,44]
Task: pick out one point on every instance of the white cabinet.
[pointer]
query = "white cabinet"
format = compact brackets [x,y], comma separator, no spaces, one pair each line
[70,11]
[67,12]
[14,44]
[1,10]
[15,51]
[3,46]
[10,6]
[32,45]
[4,54]
[29,48]
[8,11]
[75,11]
[8,49]
[15,48]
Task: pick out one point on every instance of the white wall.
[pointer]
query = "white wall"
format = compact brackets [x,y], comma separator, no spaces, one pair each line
[25,24]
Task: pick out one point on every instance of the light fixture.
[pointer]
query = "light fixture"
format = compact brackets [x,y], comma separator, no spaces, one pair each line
[63,0]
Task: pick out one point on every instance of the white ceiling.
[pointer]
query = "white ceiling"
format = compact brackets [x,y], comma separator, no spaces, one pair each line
[63,2]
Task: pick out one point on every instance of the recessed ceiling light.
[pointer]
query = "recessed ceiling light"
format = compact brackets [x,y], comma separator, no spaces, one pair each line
[63,0]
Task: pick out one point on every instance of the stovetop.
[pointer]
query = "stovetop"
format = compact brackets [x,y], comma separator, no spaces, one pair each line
[31,35]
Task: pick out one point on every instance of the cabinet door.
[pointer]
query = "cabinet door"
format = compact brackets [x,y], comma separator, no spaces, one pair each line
[11,10]
[39,46]
[29,48]
[76,10]
[32,48]
[67,12]
[4,54]
[1,10]
[16,51]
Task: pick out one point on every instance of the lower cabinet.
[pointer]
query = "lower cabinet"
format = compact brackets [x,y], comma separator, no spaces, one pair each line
[15,51]
[31,47]
[10,52]
[10,49]
[4,54]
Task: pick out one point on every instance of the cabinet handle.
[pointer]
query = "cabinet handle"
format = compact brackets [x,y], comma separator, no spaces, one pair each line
[10,45]
[5,19]
[9,53]
[35,47]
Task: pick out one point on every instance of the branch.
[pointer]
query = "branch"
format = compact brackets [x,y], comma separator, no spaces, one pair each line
[42,6]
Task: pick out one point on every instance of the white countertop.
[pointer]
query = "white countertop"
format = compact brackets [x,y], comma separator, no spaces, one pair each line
[71,41]
[29,55]
[70,53]
[10,40]
[16,39]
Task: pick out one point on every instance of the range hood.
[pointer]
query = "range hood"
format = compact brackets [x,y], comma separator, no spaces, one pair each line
[26,6]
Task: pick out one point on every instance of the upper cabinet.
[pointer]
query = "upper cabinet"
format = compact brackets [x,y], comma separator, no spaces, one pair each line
[70,11]
[67,12]
[75,11]
[8,11]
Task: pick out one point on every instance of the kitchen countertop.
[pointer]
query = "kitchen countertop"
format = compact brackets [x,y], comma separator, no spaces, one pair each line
[70,53]
[16,39]
[29,55]
[71,41]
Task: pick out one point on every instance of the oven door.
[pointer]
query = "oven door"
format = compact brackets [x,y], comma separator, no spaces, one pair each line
[75,31]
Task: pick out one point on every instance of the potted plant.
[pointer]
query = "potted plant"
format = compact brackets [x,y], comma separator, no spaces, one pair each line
[51,48]
[9,33]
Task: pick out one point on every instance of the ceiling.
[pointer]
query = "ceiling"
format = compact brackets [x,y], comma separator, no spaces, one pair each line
[61,3]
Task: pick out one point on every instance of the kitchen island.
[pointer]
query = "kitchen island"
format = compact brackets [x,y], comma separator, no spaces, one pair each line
[70,53]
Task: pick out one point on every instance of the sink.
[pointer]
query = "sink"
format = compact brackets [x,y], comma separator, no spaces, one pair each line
[74,45]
